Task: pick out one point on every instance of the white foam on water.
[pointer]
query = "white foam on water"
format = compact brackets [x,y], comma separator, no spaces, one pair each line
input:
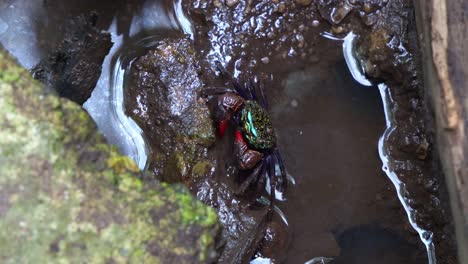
[182,20]
[425,236]
[329,35]
[260,260]
[319,260]
[352,62]
[106,107]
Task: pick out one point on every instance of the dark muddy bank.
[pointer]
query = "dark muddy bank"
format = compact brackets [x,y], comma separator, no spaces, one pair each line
[328,125]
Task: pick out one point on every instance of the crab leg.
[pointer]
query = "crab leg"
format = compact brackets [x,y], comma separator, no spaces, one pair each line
[262,178]
[251,88]
[263,96]
[239,89]
[251,178]
[283,176]
[205,92]
[248,158]
[271,175]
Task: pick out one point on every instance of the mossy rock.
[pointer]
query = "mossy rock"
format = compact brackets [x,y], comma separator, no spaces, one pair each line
[67,197]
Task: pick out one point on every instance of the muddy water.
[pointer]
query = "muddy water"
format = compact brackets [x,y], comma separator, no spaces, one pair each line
[342,205]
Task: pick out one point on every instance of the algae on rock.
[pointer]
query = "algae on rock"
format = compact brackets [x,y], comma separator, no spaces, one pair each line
[66,196]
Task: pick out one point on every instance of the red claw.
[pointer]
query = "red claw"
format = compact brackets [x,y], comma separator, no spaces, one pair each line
[223,124]
[239,138]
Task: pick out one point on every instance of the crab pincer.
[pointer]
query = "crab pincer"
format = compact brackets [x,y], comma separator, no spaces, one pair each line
[255,139]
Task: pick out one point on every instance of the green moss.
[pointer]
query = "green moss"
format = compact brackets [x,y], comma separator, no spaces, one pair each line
[193,211]
[201,169]
[67,197]
[122,164]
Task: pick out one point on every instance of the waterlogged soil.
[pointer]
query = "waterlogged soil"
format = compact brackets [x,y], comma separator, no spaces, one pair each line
[342,206]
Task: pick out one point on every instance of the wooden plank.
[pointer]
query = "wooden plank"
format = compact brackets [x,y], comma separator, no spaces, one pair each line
[443,30]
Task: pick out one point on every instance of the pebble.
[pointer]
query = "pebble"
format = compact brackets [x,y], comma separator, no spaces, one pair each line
[271,35]
[232,3]
[337,30]
[300,38]
[301,28]
[304,2]
[281,8]
[265,60]
[367,8]
[294,103]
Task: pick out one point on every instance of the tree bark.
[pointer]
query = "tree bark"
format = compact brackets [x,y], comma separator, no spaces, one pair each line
[443,35]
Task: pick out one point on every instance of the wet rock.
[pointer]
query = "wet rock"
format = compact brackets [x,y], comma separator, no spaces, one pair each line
[66,196]
[244,222]
[304,2]
[232,2]
[275,241]
[162,97]
[334,11]
[74,67]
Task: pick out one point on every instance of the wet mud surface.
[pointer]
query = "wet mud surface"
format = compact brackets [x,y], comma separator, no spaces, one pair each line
[328,125]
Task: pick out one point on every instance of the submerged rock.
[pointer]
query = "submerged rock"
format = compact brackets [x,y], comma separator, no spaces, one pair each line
[66,196]
[73,69]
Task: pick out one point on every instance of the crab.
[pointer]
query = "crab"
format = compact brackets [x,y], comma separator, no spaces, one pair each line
[255,139]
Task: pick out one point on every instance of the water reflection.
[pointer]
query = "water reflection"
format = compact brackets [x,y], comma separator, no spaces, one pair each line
[18,32]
